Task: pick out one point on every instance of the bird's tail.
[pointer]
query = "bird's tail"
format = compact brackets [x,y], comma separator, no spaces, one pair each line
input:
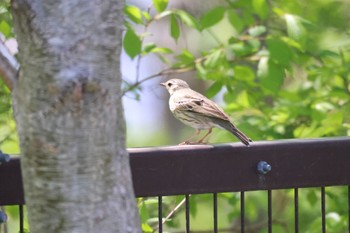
[236,132]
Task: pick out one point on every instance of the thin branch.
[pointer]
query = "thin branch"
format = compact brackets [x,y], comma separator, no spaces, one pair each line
[8,66]
[213,35]
[7,136]
[172,212]
[138,62]
[161,73]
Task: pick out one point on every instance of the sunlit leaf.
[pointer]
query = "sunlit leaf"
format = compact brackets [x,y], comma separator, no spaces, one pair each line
[160,5]
[243,99]
[257,30]
[146,228]
[213,59]
[187,19]
[295,28]
[134,14]
[162,50]
[261,8]
[146,15]
[244,73]
[5,28]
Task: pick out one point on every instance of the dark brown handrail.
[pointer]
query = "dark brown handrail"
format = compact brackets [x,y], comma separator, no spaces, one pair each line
[160,171]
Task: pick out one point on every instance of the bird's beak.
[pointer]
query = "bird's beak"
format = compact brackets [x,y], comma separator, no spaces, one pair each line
[163,84]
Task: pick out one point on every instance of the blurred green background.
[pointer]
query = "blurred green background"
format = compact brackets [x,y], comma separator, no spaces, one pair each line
[279,68]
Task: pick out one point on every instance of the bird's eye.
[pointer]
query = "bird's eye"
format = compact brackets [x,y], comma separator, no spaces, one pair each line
[169,84]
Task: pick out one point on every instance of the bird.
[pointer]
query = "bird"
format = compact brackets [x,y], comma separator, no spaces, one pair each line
[197,111]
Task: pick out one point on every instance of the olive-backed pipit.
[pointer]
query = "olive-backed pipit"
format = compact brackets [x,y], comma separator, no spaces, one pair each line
[199,112]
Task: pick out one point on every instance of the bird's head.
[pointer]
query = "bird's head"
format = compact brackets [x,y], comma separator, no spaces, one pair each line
[174,85]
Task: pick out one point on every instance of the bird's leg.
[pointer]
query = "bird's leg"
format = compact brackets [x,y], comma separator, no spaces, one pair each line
[206,135]
[187,142]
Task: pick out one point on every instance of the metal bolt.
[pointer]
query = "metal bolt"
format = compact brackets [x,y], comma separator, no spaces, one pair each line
[3,217]
[4,158]
[263,167]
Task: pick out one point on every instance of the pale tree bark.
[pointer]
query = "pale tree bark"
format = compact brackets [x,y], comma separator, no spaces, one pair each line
[69,115]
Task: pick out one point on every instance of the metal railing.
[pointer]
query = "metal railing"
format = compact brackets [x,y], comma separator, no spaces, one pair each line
[200,169]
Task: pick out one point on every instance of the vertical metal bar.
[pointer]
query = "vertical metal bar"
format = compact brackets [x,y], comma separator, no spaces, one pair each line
[349,208]
[160,214]
[269,210]
[21,218]
[187,205]
[215,212]
[242,212]
[296,210]
[323,209]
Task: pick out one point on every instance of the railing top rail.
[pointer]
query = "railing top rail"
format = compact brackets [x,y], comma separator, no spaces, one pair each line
[221,168]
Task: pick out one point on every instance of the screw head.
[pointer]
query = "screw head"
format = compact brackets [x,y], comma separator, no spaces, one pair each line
[263,167]
[3,217]
[4,158]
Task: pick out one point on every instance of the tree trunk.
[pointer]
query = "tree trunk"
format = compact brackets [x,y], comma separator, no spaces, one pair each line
[69,115]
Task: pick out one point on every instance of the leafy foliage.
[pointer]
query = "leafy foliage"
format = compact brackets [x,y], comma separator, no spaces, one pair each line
[294,68]
[284,73]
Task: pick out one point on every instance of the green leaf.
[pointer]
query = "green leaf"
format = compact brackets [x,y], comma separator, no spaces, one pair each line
[143,212]
[244,73]
[292,43]
[312,197]
[148,48]
[163,14]
[174,27]
[162,50]
[152,48]
[235,21]
[279,51]
[134,14]
[213,59]
[5,28]
[160,5]
[212,17]
[187,19]
[261,8]
[184,59]
[146,228]
[271,75]
[214,89]
[257,31]
[295,28]
[333,120]
[201,71]
[185,56]
[241,49]
[146,15]
[132,43]
[243,99]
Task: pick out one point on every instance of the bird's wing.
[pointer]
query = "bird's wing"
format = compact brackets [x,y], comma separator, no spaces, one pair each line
[201,105]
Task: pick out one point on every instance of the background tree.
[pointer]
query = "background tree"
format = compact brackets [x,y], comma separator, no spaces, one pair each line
[67,103]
